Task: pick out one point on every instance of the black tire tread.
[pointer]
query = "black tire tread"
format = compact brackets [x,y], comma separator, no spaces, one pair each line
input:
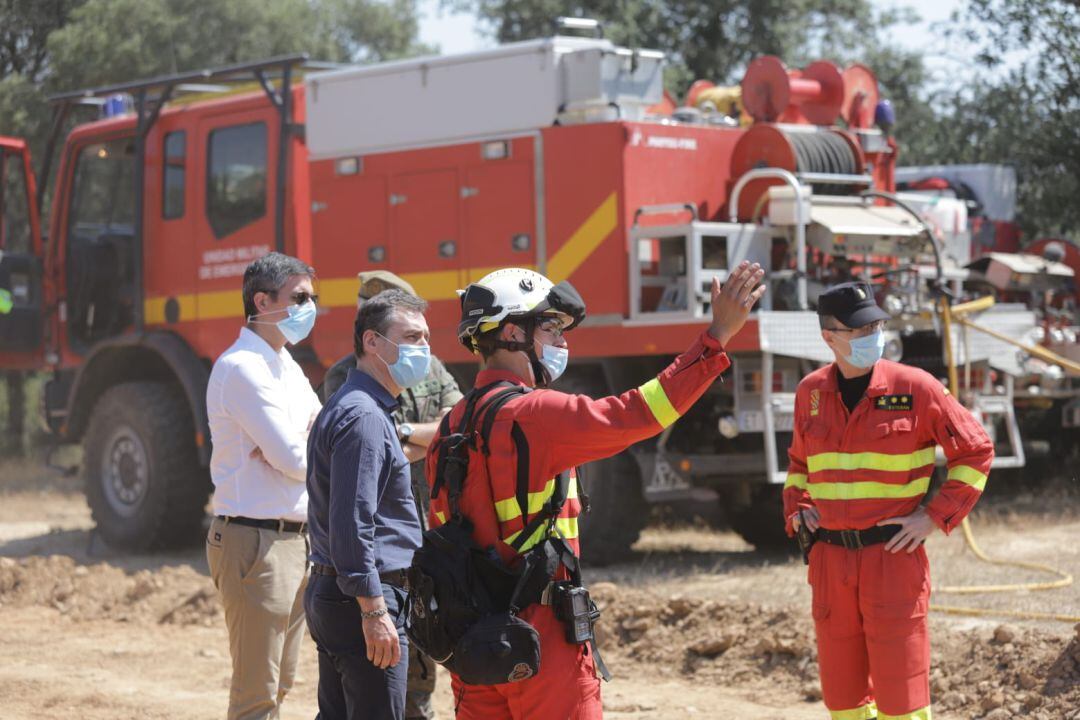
[174,509]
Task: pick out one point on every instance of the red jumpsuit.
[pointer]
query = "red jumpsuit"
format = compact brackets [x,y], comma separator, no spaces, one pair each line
[563,431]
[873,464]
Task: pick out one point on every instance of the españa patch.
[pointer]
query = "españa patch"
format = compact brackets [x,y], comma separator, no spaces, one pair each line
[894,402]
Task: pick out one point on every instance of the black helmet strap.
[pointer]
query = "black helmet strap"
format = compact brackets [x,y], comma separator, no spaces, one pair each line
[528,324]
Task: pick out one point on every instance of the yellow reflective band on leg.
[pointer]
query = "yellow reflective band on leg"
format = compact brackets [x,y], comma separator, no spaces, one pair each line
[440,517]
[968,475]
[657,400]
[796,480]
[920,714]
[568,528]
[867,490]
[870,461]
[509,509]
[863,712]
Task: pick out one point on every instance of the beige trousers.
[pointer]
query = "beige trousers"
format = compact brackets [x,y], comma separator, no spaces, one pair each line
[260,576]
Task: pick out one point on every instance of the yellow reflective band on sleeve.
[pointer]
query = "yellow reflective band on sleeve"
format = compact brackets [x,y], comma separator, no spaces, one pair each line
[968,475]
[863,712]
[920,714]
[657,400]
[508,509]
[870,461]
[867,490]
[568,528]
[796,480]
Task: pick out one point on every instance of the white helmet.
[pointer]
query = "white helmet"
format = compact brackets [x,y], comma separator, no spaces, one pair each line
[515,293]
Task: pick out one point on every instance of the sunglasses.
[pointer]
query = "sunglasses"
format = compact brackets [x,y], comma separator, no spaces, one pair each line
[552,326]
[298,298]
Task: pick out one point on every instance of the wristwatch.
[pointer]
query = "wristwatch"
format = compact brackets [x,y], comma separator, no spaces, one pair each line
[404,432]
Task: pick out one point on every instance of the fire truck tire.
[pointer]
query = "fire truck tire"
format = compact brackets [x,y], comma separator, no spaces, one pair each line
[760,522]
[617,509]
[144,485]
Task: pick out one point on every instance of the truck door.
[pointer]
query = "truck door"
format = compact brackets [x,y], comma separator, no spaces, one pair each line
[21,269]
[500,217]
[99,238]
[426,247]
[234,225]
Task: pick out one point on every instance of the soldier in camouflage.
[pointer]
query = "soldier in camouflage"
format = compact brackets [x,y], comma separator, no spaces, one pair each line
[420,409]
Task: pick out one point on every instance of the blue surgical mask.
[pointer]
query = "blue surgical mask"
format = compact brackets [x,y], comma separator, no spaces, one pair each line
[554,359]
[298,324]
[867,350]
[412,364]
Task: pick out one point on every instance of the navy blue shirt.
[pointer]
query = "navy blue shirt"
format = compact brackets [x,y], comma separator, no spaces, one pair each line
[361,514]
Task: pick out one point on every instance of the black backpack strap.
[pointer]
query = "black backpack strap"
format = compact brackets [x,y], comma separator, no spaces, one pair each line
[491,411]
[547,514]
[440,458]
[453,459]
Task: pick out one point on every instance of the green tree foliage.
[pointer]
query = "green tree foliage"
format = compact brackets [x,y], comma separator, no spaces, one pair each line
[1026,116]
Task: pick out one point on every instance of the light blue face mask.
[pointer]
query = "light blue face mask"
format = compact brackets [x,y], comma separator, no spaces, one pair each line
[867,350]
[297,325]
[412,364]
[555,359]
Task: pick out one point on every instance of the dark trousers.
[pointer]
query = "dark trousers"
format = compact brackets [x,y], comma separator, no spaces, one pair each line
[350,687]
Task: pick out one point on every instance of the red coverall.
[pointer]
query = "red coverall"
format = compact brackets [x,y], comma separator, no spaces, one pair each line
[873,464]
[563,431]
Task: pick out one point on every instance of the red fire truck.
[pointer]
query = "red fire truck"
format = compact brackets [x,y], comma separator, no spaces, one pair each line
[557,154]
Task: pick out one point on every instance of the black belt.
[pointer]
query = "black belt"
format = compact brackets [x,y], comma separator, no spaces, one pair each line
[399,578]
[855,539]
[291,526]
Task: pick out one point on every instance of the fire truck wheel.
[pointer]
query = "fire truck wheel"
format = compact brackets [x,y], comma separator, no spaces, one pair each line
[143,481]
[760,522]
[618,510]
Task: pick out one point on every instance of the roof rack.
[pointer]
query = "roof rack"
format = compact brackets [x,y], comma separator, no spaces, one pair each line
[152,94]
[209,80]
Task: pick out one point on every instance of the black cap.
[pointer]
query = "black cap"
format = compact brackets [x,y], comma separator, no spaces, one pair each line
[852,303]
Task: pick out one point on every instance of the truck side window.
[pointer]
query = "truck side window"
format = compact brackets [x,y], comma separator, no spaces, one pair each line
[236,177]
[14,208]
[173,174]
[103,197]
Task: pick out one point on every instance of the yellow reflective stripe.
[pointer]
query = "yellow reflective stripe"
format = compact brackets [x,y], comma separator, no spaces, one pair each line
[867,490]
[440,517]
[508,509]
[870,461]
[657,400]
[969,475]
[797,480]
[568,527]
[863,712]
[920,714]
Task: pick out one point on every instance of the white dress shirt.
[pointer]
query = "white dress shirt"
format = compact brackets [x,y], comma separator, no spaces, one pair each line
[258,398]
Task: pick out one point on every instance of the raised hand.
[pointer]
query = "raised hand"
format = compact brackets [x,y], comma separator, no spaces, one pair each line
[731,303]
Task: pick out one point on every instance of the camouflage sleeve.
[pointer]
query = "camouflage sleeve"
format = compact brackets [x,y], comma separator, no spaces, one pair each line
[449,393]
[336,375]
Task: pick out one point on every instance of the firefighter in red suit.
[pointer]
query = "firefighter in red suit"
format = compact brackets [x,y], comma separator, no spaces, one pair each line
[515,319]
[866,432]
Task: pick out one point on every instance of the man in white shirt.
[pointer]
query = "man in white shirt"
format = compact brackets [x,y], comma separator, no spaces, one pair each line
[261,407]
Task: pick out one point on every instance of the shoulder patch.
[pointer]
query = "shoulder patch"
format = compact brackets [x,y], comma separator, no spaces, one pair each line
[895,402]
[815,402]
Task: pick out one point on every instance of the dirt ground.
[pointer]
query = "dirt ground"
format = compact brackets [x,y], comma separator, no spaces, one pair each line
[697,625]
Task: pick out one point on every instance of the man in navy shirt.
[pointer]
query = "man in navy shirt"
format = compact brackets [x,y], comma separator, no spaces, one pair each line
[362,517]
